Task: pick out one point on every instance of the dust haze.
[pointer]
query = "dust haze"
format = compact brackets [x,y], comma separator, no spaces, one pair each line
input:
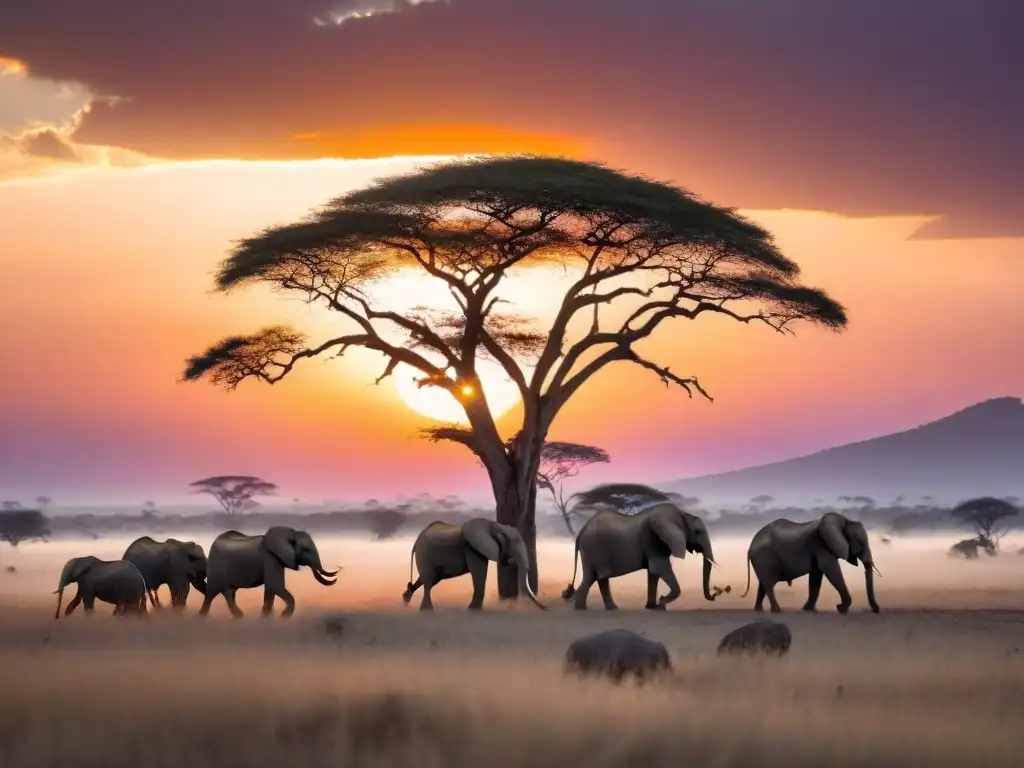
[357,678]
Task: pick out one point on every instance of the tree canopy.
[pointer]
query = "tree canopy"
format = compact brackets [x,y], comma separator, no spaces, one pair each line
[236,493]
[988,516]
[560,461]
[19,524]
[640,253]
[627,498]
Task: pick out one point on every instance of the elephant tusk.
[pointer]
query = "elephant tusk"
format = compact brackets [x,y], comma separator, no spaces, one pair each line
[877,572]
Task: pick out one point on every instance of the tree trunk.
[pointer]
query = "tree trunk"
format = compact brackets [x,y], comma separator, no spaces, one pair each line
[519,510]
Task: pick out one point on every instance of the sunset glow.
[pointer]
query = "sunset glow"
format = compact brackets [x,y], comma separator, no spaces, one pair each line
[438,404]
[128,169]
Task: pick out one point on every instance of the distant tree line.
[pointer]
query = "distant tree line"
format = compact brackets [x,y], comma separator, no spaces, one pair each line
[989,518]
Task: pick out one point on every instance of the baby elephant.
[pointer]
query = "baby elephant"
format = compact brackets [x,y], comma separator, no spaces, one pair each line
[116,582]
[617,653]
[768,637]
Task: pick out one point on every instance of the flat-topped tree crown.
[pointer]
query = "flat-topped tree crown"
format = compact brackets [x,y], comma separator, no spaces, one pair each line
[654,251]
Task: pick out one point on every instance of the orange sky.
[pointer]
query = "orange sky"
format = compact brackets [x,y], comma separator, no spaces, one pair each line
[112,228]
[107,278]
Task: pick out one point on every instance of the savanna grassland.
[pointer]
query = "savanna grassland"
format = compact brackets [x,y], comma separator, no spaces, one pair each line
[357,679]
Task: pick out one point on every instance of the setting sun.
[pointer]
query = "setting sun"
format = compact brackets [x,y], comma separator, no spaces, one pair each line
[435,403]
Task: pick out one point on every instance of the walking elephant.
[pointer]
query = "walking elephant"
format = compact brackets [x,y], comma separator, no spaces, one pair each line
[117,582]
[238,561]
[612,544]
[178,564]
[784,550]
[444,551]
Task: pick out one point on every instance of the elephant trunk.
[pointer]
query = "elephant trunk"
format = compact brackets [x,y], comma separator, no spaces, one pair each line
[323,576]
[869,584]
[65,579]
[707,577]
[522,561]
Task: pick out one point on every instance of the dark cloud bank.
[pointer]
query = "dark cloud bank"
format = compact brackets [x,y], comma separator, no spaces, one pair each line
[863,107]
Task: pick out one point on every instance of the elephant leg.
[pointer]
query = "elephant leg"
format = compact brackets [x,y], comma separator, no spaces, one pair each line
[769,590]
[663,568]
[75,602]
[289,603]
[179,595]
[834,574]
[426,604]
[207,600]
[580,603]
[759,600]
[154,596]
[229,595]
[88,602]
[268,601]
[813,589]
[478,571]
[606,594]
[652,591]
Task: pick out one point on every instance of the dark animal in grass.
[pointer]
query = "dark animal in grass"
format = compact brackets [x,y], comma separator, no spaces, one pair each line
[771,638]
[617,654]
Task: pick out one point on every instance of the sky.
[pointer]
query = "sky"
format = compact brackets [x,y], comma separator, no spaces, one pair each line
[879,140]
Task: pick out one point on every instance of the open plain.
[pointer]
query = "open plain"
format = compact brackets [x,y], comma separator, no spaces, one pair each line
[355,678]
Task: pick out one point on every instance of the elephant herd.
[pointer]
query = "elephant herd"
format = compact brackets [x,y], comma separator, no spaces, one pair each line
[236,561]
[610,544]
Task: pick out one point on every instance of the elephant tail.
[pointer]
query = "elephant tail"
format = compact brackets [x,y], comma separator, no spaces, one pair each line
[412,562]
[748,577]
[570,590]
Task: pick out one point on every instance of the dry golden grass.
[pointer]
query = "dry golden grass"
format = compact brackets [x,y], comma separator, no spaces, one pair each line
[910,687]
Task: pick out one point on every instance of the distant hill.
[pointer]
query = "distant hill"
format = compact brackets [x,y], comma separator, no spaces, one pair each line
[974,452]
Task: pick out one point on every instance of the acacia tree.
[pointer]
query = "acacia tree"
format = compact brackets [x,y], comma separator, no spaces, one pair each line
[558,462]
[18,524]
[627,498]
[989,517]
[641,252]
[234,492]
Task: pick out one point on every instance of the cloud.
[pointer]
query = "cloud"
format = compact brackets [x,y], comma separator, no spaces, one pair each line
[363,9]
[48,143]
[38,119]
[857,107]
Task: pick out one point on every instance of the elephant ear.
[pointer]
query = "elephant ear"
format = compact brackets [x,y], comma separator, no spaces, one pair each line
[280,542]
[482,537]
[830,527]
[671,532]
[181,559]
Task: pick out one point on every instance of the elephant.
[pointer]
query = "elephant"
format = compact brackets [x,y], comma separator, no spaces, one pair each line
[784,550]
[178,564]
[238,561]
[613,544]
[444,551]
[117,582]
